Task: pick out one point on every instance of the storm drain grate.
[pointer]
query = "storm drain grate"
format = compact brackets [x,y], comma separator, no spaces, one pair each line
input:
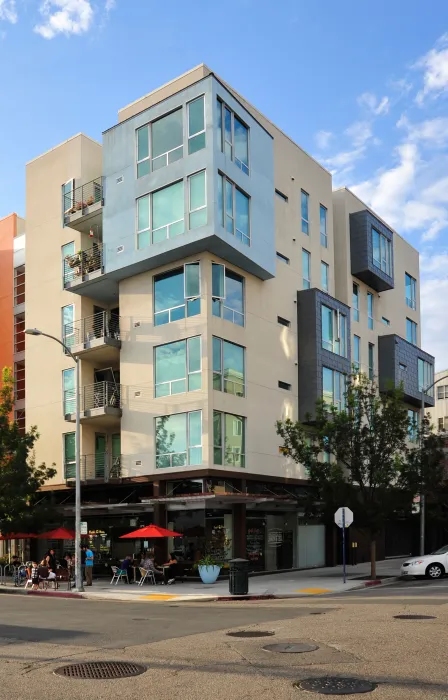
[414,617]
[290,648]
[250,634]
[100,670]
[335,686]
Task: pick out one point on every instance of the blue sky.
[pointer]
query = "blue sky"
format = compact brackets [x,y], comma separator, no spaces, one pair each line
[363,88]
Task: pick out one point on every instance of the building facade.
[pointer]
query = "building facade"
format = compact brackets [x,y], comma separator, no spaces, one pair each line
[439,413]
[201,266]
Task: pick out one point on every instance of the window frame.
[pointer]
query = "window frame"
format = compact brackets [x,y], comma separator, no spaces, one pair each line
[63,333]
[342,379]
[187,445]
[222,300]
[65,400]
[338,339]
[186,299]
[323,234]
[306,282]
[198,133]
[355,296]
[188,374]
[242,420]
[304,220]
[222,208]
[413,425]
[412,327]
[427,369]
[166,153]
[370,317]
[356,352]
[371,356]
[385,252]
[412,300]
[220,373]
[70,181]
[146,158]
[72,463]
[203,206]
[325,267]
[223,106]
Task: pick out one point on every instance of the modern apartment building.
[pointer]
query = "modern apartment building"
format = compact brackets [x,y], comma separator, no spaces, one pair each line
[439,413]
[211,282]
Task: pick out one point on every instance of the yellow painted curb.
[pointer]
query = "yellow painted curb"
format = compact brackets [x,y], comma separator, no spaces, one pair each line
[313,591]
[160,596]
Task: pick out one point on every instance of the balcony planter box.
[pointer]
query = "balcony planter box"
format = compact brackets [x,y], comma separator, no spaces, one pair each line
[209,574]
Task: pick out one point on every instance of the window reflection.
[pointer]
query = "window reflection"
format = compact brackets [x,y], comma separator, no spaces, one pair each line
[231,307]
[174,298]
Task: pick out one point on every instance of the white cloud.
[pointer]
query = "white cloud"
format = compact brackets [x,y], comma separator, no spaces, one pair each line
[110,4]
[433,295]
[435,66]
[359,132]
[344,159]
[323,139]
[8,11]
[65,17]
[431,131]
[374,104]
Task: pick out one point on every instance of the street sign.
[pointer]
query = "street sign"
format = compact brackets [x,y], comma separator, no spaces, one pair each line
[343,514]
[84,530]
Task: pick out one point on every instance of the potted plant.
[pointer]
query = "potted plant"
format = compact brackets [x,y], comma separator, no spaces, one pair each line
[78,206]
[208,569]
[75,260]
[90,200]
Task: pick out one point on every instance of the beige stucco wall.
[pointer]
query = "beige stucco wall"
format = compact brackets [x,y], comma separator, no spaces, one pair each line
[440,410]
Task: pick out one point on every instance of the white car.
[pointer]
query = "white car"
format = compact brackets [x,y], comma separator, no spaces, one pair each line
[433,565]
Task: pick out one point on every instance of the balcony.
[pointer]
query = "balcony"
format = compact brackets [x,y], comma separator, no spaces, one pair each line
[102,466]
[82,206]
[83,266]
[97,335]
[402,363]
[371,251]
[100,402]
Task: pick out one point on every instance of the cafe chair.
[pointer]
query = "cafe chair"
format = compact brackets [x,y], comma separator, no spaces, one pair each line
[118,574]
[146,574]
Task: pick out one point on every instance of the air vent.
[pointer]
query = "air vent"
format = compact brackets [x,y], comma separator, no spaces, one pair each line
[136,324]
[137,393]
[120,180]
[138,462]
[120,248]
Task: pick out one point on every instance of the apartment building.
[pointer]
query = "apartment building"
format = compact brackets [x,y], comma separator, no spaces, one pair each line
[439,413]
[211,282]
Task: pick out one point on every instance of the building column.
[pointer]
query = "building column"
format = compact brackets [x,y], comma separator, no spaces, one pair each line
[239,530]
[159,518]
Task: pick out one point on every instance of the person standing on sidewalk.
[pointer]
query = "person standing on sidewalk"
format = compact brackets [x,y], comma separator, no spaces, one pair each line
[89,566]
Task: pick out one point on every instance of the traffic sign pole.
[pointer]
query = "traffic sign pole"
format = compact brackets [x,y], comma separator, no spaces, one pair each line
[343,543]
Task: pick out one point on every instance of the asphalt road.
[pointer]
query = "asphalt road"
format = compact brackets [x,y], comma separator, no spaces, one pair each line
[414,591]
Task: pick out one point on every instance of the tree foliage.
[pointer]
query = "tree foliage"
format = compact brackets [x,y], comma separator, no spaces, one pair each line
[20,477]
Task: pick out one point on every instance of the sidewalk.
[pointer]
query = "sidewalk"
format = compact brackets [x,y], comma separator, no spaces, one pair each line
[292,584]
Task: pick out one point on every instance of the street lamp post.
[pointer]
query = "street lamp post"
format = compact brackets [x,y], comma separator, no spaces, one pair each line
[78,573]
[422,495]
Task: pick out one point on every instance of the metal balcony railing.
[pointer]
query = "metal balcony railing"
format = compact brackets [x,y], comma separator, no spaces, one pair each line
[102,465]
[98,395]
[83,263]
[99,326]
[82,197]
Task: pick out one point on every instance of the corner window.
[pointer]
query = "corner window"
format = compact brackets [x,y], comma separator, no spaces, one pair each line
[306,269]
[334,331]
[178,367]
[304,204]
[356,353]
[355,302]
[324,274]
[323,226]
[370,310]
[411,331]
[229,439]
[425,377]
[227,294]
[371,361]
[179,440]
[233,207]
[333,388]
[411,291]
[197,200]
[69,391]
[228,367]
[234,137]
[382,252]
[69,455]
[196,125]
[177,294]
[68,329]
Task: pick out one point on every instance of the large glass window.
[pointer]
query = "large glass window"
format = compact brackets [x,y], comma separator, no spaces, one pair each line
[69,393]
[371,361]
[411,331]
[197,200]
[306,269]
[167,140]
[355,302]
[411,291]
[68,330]
[425,377]
[412,425]
[334,331]
[333,388]
[234,137]
[370,310]
[177,294]
[234,210]
[167,215]
[196,125]
[323,226]
[178,367]
[69,455]
[356,352]
[179,440]
[67,272]
[382,252]
[324,268]
[229,439]
[227,294]
[143,160]
[304,203]
[228,367]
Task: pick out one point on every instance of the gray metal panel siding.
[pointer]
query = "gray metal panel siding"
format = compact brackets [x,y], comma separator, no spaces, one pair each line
[312,357]
[361,250]
[393,350]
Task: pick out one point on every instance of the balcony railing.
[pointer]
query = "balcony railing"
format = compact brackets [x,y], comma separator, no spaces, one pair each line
[99,326]
[102,465]
[83,263]
[93,396]
[83,197]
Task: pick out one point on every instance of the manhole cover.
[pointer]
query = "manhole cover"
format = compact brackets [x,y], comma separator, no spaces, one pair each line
[414,617]
[100,670]
[250,634]
[290,648]
[335,686]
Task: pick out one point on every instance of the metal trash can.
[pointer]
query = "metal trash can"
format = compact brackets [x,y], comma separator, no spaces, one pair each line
[239,577]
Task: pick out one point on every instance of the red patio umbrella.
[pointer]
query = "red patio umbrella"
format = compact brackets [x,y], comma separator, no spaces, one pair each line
[148,532]
[61,533]
[17,536]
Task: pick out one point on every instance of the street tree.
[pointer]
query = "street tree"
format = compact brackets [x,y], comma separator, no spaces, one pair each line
[20,476]
[357,456]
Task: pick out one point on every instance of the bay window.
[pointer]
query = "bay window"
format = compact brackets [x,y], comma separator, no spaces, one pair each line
[334,331]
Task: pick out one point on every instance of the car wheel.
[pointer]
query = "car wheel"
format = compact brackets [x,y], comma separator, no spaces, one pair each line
[435,571]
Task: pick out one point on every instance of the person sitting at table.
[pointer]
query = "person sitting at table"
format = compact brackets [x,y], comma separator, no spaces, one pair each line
[170,570]
[126,565]
[148,564]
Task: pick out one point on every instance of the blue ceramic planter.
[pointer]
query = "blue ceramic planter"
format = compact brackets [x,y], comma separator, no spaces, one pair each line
[209,574]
